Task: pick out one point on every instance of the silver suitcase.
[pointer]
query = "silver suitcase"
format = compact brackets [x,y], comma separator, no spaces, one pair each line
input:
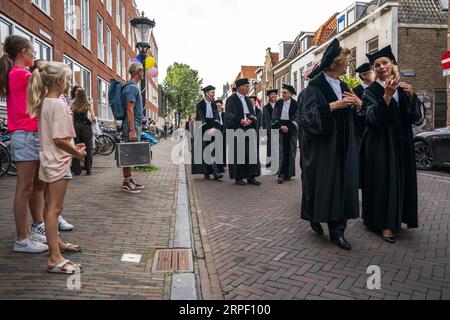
[134,154]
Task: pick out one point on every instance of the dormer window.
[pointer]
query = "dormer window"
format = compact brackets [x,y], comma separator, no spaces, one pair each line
[341,23]
[351,17]
[304,44]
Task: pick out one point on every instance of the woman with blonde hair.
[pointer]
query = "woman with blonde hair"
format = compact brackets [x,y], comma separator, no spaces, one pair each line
[56,133]
[83,128]
[388,166]
[330,153]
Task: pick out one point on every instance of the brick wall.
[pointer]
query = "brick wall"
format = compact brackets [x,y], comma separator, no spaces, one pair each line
[420,51]
[34,20]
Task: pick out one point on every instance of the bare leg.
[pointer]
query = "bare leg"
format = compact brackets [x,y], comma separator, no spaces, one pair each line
[54,203]
[25,175]
[37,199]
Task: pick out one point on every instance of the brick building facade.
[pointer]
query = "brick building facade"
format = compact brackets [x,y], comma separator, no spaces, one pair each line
[93,36]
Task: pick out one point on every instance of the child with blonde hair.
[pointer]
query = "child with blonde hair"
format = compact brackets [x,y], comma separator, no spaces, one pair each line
[56,134]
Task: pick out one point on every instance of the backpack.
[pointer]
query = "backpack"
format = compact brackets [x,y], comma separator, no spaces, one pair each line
[116,100]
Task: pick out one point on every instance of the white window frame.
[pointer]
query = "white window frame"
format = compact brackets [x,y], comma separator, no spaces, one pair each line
[70,18]
[103,104]
[108,6]
[124,19]
[88,87]
[109,61]
[118,13]
[118,58]
[100,38]
[85,24]
[43,5]
[124,64]
[351,16]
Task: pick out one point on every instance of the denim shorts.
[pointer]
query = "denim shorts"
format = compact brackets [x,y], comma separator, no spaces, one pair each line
[25,146]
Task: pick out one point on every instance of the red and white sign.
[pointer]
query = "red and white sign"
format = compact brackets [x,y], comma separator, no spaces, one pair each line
[445,60]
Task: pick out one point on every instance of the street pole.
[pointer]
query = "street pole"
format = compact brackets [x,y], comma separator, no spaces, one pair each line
[143,56]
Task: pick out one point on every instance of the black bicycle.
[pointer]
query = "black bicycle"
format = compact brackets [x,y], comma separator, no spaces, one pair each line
[5,160]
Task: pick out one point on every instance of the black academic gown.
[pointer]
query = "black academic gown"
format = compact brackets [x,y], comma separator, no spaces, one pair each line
[211,123]
[330,157]
[222,118]
[288,141]
[234,111]
[267,125]
[259,117]
[388,165]
[359,117]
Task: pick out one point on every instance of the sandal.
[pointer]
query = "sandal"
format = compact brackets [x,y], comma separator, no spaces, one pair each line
[70,248]
[72,269]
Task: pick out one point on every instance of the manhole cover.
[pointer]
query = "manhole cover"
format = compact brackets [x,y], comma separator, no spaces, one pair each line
[173,260]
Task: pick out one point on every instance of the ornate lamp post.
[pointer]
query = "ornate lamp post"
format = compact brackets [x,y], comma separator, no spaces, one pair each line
[143,28]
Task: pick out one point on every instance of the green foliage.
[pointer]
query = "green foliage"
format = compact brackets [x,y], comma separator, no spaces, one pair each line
[146,169]
[183,89]
[351,81]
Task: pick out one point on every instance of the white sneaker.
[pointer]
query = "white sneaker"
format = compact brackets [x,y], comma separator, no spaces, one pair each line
[30,246]
[38,233]
[64,225]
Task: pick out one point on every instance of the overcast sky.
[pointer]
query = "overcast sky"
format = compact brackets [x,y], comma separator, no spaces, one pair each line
[216,37]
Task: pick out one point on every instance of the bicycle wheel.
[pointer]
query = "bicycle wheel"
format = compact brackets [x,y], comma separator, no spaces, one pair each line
[108,146]
[5,160]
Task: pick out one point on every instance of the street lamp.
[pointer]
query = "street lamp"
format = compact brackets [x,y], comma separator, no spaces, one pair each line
[143,28]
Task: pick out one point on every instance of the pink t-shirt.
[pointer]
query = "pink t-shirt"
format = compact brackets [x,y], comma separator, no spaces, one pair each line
[55,122]
[16,102]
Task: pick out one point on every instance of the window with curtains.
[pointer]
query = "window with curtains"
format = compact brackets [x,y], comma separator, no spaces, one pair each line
[70,18]
[85,30]
[108,47]
[81,76]
[100,43]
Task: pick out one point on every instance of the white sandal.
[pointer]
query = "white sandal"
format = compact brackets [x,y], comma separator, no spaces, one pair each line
[72,269]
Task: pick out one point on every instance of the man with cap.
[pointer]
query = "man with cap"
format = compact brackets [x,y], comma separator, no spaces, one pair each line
[259,114]
[283,119]
[221,112]
[241,118]
[267,121]
[330,153]
[207,114]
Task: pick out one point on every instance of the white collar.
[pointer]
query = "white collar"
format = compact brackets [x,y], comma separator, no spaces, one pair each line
[240,95]
[331,80]
[207,102]
[287,102]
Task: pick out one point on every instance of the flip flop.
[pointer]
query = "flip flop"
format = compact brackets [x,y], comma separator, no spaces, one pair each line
[66,248]
[72,269]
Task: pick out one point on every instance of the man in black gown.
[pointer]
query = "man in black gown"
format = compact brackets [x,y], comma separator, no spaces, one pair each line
[267,121]
[283,119]
[207,114]
[241,118]
[330,153]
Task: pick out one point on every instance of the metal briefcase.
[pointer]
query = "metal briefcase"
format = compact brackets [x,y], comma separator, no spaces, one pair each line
[135,154]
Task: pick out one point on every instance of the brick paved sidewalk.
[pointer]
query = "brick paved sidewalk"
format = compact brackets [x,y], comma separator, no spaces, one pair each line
[267,252]
[108,223]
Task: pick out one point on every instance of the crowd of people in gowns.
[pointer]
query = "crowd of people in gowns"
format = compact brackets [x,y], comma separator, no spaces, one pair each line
[349,139]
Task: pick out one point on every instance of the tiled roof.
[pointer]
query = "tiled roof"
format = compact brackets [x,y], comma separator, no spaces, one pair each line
[325,31]
[248,72]
[417,11]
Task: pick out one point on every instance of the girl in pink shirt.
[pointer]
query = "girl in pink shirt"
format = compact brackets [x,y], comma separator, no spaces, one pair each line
[56,134]
[19,54]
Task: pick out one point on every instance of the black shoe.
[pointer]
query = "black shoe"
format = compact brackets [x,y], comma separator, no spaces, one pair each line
[342,243]
[253,182]
[88,173]
[240,182]
[317,228]
[280,180]
[287,179]
[390,240]
[217,177]
[207,177]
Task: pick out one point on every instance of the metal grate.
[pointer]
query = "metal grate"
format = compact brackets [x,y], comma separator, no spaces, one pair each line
[173,260]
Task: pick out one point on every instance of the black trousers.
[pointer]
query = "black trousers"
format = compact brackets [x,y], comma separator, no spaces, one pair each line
[284,171]
[84,135]
[337,229]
